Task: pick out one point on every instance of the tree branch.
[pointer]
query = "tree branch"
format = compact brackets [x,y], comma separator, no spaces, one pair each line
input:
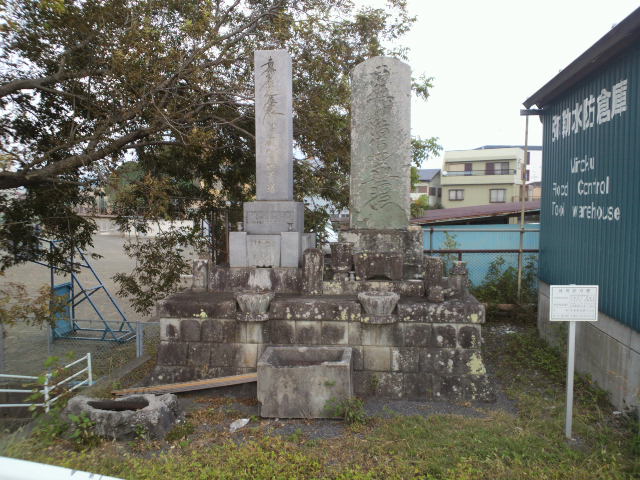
[41,82]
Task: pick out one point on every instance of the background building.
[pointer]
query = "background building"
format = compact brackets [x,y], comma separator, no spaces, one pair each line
[490,174]
[428,184]
[590,213]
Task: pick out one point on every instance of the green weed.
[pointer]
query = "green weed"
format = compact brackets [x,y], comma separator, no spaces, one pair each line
[350,410]
[180,432]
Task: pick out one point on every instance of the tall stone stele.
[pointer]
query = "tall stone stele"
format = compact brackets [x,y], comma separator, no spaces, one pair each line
[274,224]
[380,144]
[380,170]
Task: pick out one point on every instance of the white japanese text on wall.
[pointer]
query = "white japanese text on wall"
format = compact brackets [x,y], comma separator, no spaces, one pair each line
[590,112]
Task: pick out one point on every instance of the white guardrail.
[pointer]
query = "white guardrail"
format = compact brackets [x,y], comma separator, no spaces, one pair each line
[48,386]
[14,469]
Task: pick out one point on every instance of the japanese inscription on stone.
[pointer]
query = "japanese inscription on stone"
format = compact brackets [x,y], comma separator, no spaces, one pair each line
[274,125]
[380,144]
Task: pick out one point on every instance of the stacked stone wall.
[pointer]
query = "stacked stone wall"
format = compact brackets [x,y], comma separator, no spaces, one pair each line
[432,351]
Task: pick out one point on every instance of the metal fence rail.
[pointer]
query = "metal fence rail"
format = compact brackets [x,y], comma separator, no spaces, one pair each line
[48,387]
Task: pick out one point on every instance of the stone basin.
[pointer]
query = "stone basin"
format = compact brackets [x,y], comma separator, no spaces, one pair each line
[298,382]
[129,417]
[254,302]
[378,303]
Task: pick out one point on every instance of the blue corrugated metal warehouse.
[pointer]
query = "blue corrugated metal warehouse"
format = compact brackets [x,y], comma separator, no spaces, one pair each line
[590,212]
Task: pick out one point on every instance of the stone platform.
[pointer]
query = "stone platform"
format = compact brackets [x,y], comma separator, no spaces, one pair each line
[428,350]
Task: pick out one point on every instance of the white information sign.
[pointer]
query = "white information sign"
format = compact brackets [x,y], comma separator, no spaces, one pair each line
[574,303]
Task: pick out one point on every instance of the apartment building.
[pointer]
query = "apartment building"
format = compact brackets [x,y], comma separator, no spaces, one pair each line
[482,176]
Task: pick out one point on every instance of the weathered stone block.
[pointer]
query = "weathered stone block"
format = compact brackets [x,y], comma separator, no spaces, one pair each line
[405,359]
[172,353]
[433,271]
[189,330]
[381,335]
[222,355]
[459,278]
[218,330]
[257,333]
[172,374]
[238,249]
[365,383]
[198,354]
[282,332]
[444,336]
[418,386]
[263,250]
[468,310]
[241,332]
[475,310]
[458,362]
[416,334]
[297,382]
[357,356]
[378,319]
[436,294]
[312,271]
[308,332]
[463,387]
[355,334]
[169,329]
[469,336]
[377,358]
[426,360]
[290,249]
[341,256]
[389,385]
[275,217]
[315,308]
[252,317]
[334,333]
[246,355]
[410,288]
[372,265]
[190,304]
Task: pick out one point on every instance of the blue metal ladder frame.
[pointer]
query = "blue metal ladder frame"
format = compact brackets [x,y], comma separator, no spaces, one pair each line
[123,332]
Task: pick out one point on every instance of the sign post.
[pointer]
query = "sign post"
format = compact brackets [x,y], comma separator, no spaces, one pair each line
[572,303]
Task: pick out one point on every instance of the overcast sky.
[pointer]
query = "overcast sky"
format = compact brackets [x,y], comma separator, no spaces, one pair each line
[488,56]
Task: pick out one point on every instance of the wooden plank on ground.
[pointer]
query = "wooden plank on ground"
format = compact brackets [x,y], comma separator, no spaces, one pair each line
[190,386]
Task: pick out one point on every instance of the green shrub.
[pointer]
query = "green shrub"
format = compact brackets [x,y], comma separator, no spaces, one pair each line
[351,410]
[501,283]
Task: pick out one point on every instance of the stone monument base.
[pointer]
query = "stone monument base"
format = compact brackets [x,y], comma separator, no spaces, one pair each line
[268,250]
[408,242]
[431,352]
